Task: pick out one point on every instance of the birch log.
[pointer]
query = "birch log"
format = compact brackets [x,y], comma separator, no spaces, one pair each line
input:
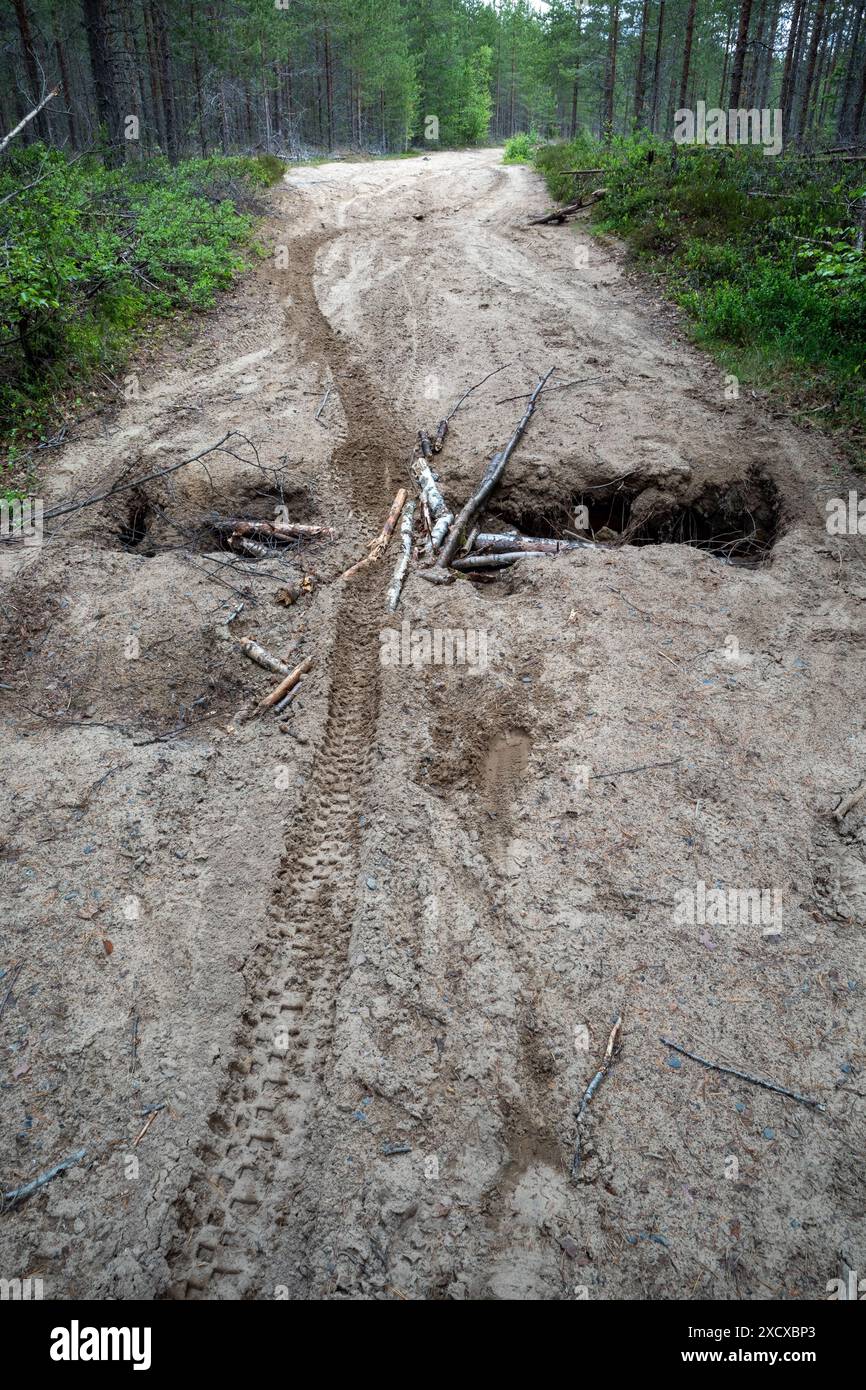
[490,562]
[435,506]
[405,556]
[492,476]
[257,549]
[263,658]
[29,117]
[489,543]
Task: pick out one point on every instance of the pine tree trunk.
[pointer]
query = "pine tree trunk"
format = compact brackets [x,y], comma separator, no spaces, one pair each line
[763,96]
[329,89]
[753,57]
[846,98]
[727,57]
[657,66]
[687,54]
[102,66]
[40,123]
[153,74]
[787,92]
[817,31]
[196,73]
[610,72]
[740,53]
[641,68]
[163,48]
[63,69]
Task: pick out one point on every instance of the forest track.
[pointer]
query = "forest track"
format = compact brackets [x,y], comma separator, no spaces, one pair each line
[351,1002]
[255,1160]
[256,1154]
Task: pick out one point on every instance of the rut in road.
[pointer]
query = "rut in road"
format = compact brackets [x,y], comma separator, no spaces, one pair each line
[254,1166]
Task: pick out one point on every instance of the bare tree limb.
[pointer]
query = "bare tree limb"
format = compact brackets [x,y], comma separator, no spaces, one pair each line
[492,475]
[29,117]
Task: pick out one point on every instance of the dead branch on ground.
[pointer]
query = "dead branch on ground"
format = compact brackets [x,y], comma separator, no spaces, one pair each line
[569,210]
[405,556]
[492,476]
[609,1053]
[380,544]
[279,691]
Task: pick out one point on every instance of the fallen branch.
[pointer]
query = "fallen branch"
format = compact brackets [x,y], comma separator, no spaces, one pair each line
[453,412]
[441,431]
[380,544]
[284,686]
[405,556]
[437,512]
[18,1194]
[560,386]
[743,1075]
[287,699]
[490,542]
[641,767]
[492,475]
[490,562]
[570,209]
[257,549]
[263,658]
[322,404]
[31,115]
[63,507]
[593,1086]
[849,802]
[279,530]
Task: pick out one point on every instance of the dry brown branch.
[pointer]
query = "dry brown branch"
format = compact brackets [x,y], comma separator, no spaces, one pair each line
[284,686]
[380,544]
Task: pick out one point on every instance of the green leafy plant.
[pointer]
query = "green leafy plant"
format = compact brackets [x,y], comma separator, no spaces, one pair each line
[89,253]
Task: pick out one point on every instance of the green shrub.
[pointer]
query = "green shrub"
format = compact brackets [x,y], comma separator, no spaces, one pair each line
[518,150]
[91,252]
[761,253]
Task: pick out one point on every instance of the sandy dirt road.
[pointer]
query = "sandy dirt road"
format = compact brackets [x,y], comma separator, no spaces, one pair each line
[319,1002]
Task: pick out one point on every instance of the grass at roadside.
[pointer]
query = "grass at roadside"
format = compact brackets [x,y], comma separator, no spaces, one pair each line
[92,254]
[761,253]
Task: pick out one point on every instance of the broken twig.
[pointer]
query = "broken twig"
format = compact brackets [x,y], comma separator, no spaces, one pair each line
[609,1052]
[18,1194]
[641,767]
[8,995]
[492,475]
[743,1075]
[380,544]
[849,802]
[285,686]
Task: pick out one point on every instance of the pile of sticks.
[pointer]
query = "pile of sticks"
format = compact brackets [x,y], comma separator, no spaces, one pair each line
[444,545]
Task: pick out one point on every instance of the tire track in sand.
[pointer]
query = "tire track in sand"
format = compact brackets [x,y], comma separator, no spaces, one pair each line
[255,1173]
